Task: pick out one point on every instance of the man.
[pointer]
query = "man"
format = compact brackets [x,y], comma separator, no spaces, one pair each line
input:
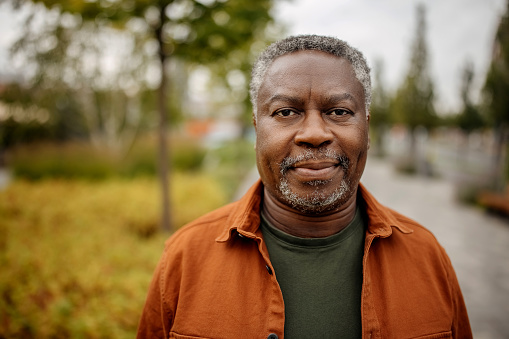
[307,252]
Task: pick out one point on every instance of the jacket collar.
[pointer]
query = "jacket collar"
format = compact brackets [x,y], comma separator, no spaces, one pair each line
[245,215]
[381,219]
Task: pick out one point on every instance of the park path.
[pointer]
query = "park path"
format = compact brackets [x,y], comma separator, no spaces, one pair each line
[477,242]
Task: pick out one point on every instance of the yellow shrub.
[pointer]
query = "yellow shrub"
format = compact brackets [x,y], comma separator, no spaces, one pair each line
[73,263]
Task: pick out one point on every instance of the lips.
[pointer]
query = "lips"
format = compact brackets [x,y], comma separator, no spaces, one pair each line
[314,165]
[315,170]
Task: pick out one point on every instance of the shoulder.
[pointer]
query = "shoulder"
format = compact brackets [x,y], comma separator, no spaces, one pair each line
[418,244]
[418,231]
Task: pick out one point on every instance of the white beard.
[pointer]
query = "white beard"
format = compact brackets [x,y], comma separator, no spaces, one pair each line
[316,202]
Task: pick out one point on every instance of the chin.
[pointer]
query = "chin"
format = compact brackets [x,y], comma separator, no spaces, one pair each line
[319,200]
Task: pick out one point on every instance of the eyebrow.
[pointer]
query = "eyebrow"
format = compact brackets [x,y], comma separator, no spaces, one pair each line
[340,97]
[327,98]
[284,97]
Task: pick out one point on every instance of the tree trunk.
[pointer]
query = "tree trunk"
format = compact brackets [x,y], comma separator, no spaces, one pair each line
[500,161]
[163,155]
[412,165]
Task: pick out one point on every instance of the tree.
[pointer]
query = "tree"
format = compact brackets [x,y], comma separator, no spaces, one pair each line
[67,59]
[470,118]
[495,90]
[193,30]
[380,108]
[413,104]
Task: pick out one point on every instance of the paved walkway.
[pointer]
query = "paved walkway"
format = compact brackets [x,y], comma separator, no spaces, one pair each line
[477,243]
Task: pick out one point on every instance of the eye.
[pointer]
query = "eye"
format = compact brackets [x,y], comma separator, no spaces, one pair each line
[285,112]
[338,112]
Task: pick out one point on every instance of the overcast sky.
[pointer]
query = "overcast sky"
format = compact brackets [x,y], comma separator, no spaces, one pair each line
[458,30]
[8,29]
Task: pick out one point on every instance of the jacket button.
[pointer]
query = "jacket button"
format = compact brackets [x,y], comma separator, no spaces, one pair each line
[272,336]
[270,272]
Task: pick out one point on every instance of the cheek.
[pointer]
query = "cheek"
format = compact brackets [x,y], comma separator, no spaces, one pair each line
[271,147]
[264,152]
[355,142]
[272,140]
[360,146]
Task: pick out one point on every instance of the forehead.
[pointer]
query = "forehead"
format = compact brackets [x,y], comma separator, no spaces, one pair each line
[304,57]
[311,69]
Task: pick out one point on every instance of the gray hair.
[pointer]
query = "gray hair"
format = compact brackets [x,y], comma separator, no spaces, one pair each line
[325,44]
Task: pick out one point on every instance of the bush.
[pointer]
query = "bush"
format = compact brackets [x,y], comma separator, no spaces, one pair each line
[73,262]
[83,161]
[38,161]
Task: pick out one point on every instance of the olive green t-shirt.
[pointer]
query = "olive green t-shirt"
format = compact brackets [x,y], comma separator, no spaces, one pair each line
[321,280]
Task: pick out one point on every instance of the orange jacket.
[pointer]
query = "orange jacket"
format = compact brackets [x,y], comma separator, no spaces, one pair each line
[215,280]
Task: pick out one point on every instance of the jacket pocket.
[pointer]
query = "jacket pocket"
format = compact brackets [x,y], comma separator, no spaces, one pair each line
[441,335]
[174,335]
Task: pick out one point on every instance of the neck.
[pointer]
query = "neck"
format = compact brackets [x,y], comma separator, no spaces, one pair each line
[302,225]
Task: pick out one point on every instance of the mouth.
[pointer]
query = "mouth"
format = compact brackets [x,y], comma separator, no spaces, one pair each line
[310,166]
[315,170]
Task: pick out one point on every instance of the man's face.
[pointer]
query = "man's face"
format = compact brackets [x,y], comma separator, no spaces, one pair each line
[311,131]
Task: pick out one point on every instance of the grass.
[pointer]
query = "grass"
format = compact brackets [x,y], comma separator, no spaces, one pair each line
[77,256]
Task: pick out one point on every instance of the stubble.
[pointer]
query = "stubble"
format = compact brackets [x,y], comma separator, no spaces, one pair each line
[318,201]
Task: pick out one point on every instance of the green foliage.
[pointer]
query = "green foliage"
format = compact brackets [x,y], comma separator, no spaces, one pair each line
[77,257]
[496,86]
[495,91]
[228,164]
[380,113]
[13,132]
[41,161]
[470,118]
[226,33]
[77,36]
[380,100]
[83,161]
[196,30]
[413,104]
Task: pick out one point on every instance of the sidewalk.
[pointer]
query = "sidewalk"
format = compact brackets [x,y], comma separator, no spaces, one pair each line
[477,243]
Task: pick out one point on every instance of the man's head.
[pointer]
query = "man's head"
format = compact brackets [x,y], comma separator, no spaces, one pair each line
[312,122]
[325,44]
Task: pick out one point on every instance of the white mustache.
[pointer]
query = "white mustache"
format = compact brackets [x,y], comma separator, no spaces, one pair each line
[328,154]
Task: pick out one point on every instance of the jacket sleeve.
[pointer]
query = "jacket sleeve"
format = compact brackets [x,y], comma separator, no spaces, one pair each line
[461,324]
[155,322]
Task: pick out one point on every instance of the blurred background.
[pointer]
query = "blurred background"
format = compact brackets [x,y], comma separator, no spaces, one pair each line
[122,120]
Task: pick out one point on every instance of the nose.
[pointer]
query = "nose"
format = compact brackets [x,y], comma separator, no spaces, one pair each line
[313,131]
